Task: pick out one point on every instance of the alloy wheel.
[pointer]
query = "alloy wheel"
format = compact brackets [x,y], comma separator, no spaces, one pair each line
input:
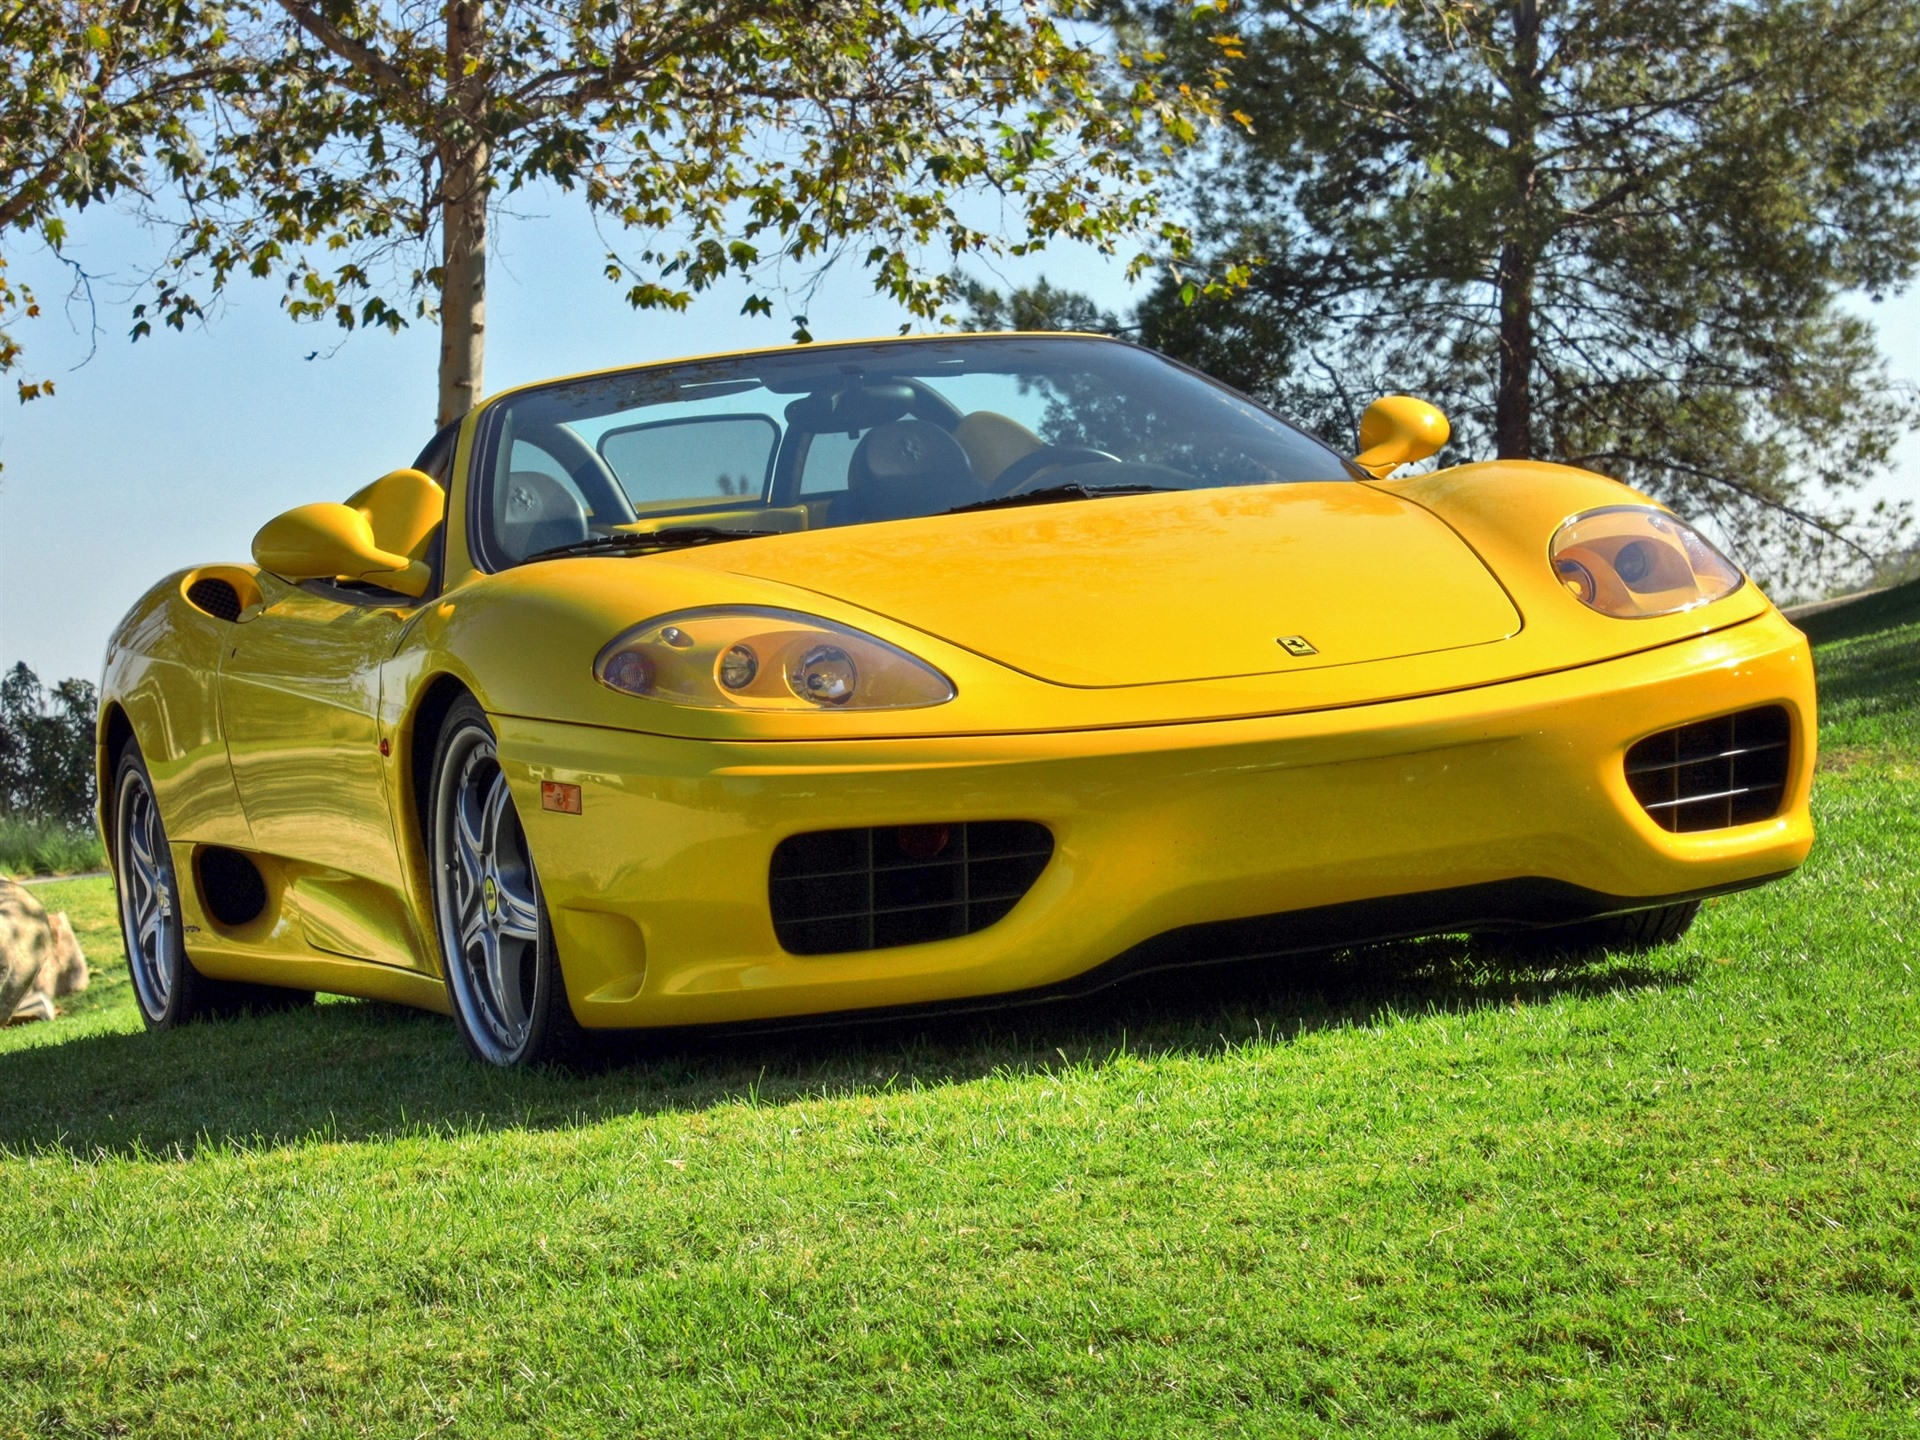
[488,898]
[149,913]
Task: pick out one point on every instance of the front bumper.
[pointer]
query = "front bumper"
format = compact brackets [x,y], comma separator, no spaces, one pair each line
[658,888]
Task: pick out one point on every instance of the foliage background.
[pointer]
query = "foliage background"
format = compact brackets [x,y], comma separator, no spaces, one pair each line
[1618,236]
[46,749]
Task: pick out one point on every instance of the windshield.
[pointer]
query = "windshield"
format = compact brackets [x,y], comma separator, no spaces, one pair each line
[826,436]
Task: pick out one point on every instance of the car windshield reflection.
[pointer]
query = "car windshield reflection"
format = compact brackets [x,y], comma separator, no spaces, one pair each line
[844,435]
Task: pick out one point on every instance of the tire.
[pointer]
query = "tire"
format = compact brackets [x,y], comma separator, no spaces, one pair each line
[1633,933]
[168,990]
[497,954]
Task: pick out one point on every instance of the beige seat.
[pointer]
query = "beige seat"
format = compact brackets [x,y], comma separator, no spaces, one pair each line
[993,442]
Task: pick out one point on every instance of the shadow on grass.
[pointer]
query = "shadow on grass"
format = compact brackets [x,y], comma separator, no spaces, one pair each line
[358,1070]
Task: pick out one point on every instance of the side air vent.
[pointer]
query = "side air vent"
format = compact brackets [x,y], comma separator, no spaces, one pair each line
[217,597]
[231,886]
[1714,773]
[834,891]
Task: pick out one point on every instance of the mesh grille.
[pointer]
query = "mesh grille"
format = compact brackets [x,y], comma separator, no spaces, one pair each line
[1714,773]
[834,891]
[217,597]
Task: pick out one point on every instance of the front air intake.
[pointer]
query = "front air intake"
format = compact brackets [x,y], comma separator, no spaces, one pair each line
[217,597]
[231,887]
[1714,773]
[835,891]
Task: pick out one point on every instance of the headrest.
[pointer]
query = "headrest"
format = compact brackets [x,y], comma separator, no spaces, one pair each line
[993,442]
[856,408]
[535,512]
[908,451]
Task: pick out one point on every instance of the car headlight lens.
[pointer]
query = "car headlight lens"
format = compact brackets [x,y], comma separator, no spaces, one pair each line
[1632,562]
[757,658]
[739,667]
[825,675]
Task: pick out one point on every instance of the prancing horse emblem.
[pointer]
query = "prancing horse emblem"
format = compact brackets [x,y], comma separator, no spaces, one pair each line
[1297,645]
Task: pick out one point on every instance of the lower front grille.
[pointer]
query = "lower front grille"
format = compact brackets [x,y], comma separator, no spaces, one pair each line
[835,891]
[1714,773]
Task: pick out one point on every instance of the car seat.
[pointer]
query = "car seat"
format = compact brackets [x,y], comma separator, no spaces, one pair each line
[533,511]
[904,468]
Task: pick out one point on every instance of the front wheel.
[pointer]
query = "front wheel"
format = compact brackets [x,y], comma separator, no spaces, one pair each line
[1632,933]
[496,946]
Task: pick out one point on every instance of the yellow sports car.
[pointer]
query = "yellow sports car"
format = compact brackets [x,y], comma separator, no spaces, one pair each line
[924,671]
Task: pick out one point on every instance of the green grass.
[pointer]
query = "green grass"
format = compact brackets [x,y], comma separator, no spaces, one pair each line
[46,847]
[1409,1191]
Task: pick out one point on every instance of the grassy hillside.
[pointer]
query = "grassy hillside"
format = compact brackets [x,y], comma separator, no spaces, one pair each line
[1408,1191]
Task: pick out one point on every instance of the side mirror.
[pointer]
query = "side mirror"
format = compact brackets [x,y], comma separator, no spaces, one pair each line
[331,542]
[1397,430]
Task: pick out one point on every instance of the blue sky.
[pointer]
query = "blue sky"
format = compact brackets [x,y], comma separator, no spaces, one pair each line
[172,452]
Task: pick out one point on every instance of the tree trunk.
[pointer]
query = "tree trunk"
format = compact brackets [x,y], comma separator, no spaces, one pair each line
[1513,399]
[1519,254]
[463,217]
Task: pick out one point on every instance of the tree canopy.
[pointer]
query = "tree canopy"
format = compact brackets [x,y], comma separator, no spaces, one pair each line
[46,748]
[96,99]
[1618,233]
[361,146]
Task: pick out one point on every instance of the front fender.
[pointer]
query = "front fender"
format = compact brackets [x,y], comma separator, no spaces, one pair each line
[162,674]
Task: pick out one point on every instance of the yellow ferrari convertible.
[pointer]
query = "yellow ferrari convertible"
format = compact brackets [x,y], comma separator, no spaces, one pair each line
[920,672]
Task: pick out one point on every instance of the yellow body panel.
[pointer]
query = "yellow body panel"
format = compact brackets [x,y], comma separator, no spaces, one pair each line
[1155,828]
[1461,721]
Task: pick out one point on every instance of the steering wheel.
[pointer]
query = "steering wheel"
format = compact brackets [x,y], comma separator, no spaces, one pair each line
[1013,480]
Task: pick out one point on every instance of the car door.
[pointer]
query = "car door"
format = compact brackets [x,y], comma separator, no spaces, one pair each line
[300,697]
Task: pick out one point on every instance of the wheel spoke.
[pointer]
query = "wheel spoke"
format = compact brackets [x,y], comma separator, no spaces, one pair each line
[474,926]
[138,842]
[499,817]
[519,911]
[156,841]
[503,979]
[466,878]
[470,816]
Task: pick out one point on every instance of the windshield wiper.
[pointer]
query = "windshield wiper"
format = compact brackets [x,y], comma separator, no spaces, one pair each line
[678,537]
[1050,494]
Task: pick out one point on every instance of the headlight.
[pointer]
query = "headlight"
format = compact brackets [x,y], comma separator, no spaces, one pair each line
[1631,562]
[752,658]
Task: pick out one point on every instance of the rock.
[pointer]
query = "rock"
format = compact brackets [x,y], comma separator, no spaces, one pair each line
[40,958]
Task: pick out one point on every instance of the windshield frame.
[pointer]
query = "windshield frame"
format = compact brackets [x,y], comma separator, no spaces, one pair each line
[483,548]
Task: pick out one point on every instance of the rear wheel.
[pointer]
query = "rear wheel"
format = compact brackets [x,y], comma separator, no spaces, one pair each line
[168,989]
[496,946]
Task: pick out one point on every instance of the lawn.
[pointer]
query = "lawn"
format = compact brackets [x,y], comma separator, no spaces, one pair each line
[1408,1191]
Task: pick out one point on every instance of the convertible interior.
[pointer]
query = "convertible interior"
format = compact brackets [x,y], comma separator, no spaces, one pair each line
[872,452]
[866,451]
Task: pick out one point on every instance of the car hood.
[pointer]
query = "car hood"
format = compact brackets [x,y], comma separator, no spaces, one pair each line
[1159,588]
